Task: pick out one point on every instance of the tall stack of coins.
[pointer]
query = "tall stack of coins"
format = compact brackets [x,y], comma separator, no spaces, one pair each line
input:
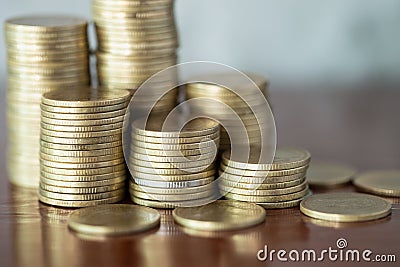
[244,109]
[136,39]
[281,184]
[81,157]
[172,168]
[44,53]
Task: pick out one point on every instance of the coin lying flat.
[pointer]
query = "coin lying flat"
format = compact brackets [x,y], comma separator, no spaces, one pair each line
[113,219]
[324,174]
[384,183]
[221,215]
[345,207]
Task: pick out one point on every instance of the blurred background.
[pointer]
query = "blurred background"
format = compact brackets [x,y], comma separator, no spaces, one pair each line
[334,65]
[308,43]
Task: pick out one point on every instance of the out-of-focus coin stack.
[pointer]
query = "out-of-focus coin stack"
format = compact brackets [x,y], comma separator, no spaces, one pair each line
[280,184]
[173,168]
[245,110]
[136,39]
[81,157]
[44,53]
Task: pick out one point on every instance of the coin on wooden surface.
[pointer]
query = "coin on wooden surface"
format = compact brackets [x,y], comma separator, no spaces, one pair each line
[115,219]
[329,174]
[345,207]
[384,182]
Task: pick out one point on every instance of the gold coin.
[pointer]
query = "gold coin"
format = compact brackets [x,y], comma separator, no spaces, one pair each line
[170,204]
[78,135]
[85,110]
[264,186]
[262,192]
[171,191]
[79,123]
[60,128]
[151,170]
[173,178]
[44,24]
[80,159]
[176,159]
[81,197]
[84,97]
[172,153]
[284,204]
[83,116]
[278,198]
[173,165]
[384,183]
[263,173]
[154,127]
[93,165]
[171,198]
[345,207]
[325,174]
[83,172]
[81,190]
[177,140]
[221,215]
[79,203]
[285,158]
[174,184]
[260,179]
[198,145]
[80,141]
[84,153]
[111,220]
[80,147]
[87,182]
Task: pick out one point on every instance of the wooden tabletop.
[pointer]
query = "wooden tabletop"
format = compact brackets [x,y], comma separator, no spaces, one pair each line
[358,127]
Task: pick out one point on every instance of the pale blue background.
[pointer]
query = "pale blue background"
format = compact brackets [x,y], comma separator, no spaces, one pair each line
[342,42]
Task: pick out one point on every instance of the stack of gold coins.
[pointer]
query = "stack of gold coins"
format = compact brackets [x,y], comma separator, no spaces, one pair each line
[171,167]
[280,184]
[244,109]
[81,157]
[44,53]
[136,39]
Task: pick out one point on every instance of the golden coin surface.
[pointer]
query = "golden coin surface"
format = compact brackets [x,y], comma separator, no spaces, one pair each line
[83,116]
[285,158]
[262,192]
[84,97]
[77,135]
[221,215]
[174,171]
[83,183]
[80,147]
[39,24]
[95,128]
[79,203]
[265,186]
[278,198]
[83,172]
[80,159]
[172,153]
[171,191]
[173,178]
[171,197]
[384,182]
[81,141]
[155,127]
[174,184]
[78,123]
[73,110]
[81,166]
[260,179]
[80,190]
[173,165]
[187,146]
[81,197]
[262,173]
[112,220]
[325,174]
[176,140]
[172,159]
[345,207]
[82,153]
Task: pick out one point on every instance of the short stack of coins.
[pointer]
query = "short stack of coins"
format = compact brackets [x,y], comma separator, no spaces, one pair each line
[172,168]
[136,39]
[81,157]
[44,53]
[244,109]
[280,184]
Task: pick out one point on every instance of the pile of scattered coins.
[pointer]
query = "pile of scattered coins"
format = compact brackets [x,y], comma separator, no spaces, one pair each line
[81,157]
[44,53]
[173,168]
[280,184]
